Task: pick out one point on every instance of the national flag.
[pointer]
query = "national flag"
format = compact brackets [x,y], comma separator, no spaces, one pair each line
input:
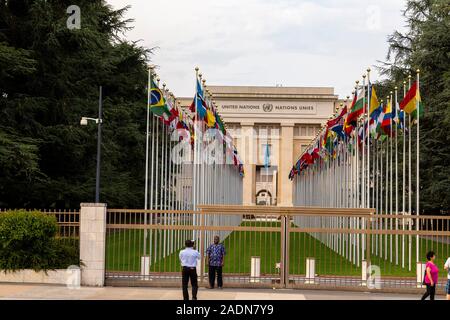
[308,158]
[324,138]
[411,101]
[348,128]
[266,156]
[210,119]
[158,104]
[241,170]
[376,112]
[220,123]
[173,118]
[329,143]
[378,130]
[199,103]
[387,119]
[358,107]
[374,104]
[292,173]
[338,119]
[337,125]
[315,150]
[399,116]
[348,124]
[361,132]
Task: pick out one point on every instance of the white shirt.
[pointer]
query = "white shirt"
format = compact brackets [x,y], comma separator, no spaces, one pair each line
[447,264]
[189,257]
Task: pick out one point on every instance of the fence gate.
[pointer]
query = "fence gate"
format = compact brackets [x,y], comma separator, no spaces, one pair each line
[142,246]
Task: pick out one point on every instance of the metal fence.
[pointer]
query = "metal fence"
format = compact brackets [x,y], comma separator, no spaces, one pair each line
[277,247]
[269,247]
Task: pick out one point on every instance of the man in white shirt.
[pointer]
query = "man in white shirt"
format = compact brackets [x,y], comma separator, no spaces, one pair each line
[447,287]
[188,259]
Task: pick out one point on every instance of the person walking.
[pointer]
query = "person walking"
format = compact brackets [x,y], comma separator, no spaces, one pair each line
[447,287]
[215,255]
[188,258]
[431,276]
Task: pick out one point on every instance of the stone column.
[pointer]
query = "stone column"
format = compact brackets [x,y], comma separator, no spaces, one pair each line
[285,164]
[247,153]
[93,243]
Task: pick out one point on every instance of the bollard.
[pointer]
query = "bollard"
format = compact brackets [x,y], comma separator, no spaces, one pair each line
[364,273]
[420,272]
[310,270]
[255,269]
[145,267]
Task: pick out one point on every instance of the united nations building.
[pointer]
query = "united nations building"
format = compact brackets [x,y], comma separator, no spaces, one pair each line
[271,126]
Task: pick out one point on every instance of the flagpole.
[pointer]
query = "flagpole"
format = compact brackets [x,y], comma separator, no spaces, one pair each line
[409,180]
[396,175]
[369,90]
[194,166]
[381,180]
[363,150]
[163,180]
[363,169]
[152,183]
[377,183]
[404,179]
[387,192]
[390,179]
[150,71]
[417,168]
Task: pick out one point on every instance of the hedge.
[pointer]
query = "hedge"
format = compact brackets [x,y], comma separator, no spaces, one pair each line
[28,241]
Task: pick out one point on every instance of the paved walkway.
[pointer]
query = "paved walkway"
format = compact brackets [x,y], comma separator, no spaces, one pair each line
[48,292]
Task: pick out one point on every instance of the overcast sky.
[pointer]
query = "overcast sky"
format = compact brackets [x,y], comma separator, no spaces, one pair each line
[264,42]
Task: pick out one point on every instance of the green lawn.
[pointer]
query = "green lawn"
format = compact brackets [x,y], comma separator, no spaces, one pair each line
[125,247]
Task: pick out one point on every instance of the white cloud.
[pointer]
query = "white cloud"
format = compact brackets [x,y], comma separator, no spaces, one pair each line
[264,42]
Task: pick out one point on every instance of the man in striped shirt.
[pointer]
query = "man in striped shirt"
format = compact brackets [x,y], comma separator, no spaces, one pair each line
[215,258]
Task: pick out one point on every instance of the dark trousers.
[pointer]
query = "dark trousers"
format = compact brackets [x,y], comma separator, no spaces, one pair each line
[189,273]
[431,290]
[212,276]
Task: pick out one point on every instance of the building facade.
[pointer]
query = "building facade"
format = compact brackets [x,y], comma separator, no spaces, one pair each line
[271,126]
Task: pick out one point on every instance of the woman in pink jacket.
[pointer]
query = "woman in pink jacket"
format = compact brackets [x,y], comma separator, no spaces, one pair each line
[431,276]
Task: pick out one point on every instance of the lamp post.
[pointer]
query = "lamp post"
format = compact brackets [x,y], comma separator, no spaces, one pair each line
[98,121]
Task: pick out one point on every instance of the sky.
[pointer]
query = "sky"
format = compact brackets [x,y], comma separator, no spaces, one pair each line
[308,43]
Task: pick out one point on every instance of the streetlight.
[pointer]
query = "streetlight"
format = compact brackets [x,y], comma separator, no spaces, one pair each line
[98,121]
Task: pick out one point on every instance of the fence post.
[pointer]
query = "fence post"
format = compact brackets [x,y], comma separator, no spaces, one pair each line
[255,269]
[420,272]
[310,270]
[284,250]
[145,267]
[93,243]
[364,273]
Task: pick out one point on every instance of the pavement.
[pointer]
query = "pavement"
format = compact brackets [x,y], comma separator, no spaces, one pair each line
[54,292]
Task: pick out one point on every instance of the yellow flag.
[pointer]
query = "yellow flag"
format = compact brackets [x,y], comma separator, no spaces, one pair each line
[374,104]
[210,119]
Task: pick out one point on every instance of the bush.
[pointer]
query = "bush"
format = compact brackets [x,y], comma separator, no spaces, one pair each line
[28,241]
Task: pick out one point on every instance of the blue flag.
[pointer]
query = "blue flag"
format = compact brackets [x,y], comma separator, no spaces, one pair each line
[200,106]
[267,157]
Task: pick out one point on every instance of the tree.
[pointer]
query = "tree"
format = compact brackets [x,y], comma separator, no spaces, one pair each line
[49,79]
[426,46]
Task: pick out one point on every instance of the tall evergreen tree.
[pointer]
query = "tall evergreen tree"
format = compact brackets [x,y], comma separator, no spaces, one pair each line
[49,79]
[426,46]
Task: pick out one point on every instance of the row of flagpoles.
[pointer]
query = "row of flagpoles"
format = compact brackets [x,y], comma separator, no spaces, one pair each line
[190,160]
[353,162]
